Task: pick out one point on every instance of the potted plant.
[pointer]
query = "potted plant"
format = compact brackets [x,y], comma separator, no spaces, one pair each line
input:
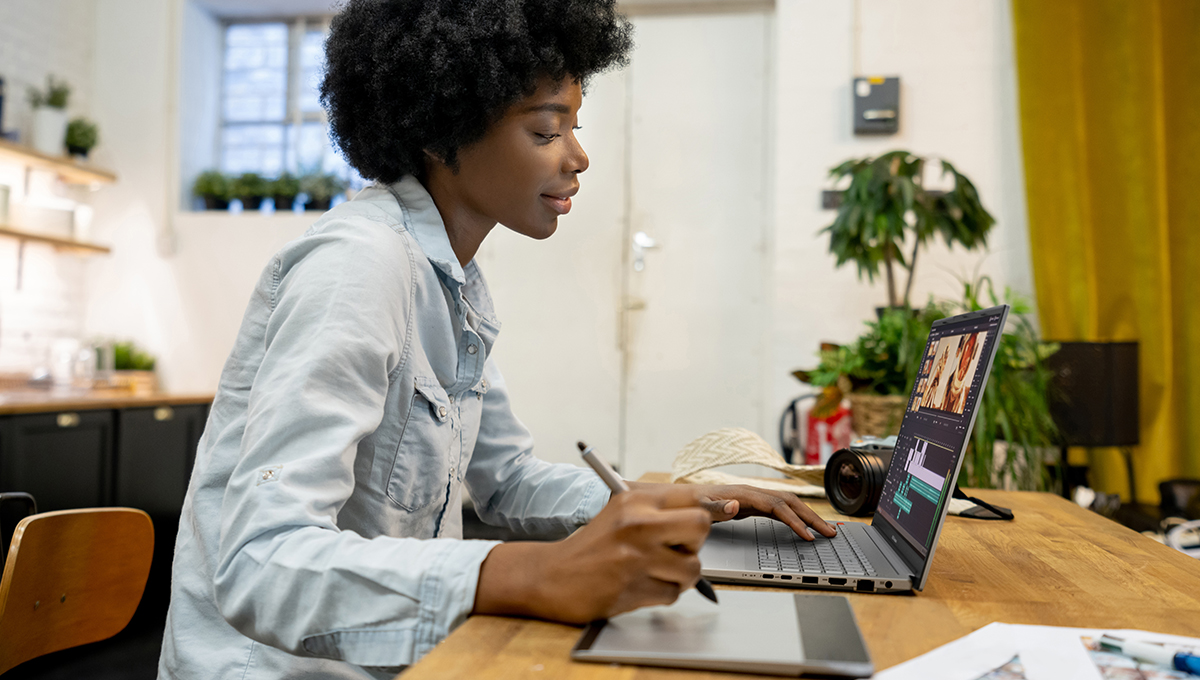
[320,188]
[887,209]
[50,115]
[81,137]
[876,371]
[1014,411]
[134,368]
[284,190]
[251,189]
[213,187]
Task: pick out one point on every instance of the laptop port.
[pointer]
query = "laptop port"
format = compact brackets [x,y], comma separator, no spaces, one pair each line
[837,581]
[768,575]
[809,579]
[865,586]
[785,577]
[887,584]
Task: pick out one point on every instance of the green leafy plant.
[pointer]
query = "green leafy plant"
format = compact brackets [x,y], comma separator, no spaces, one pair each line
[1014,409]
[286,186]
[887,209]
[81,136]
[884,360]
[1015,406]
[55,96]
[249,185]
[129,357]
[212,183]
[321,187]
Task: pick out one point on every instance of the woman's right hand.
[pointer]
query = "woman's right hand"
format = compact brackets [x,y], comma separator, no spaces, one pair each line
[640,550]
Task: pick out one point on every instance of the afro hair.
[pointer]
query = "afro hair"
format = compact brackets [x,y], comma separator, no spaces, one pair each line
[406,77]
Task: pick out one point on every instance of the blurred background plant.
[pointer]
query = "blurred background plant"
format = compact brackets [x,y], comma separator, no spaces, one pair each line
[82,135]
[127,356]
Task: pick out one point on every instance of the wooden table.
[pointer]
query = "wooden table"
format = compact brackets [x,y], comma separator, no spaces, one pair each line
[1055,564]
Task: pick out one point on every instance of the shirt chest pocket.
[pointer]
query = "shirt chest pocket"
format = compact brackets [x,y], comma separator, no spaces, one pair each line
[422,463]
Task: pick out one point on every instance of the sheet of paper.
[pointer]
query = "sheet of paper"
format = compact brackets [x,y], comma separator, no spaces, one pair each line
[1001,651]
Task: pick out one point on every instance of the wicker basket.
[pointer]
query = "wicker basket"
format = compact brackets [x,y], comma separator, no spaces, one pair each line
[138,382]
[876,415]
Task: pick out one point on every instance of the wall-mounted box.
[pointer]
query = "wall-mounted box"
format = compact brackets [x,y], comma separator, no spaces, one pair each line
[876,105]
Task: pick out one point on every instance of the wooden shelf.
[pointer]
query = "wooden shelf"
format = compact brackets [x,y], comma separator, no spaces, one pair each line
[80,247]
[70,171]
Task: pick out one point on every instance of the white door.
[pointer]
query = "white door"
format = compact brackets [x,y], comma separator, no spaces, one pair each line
[695,323]
[639,363]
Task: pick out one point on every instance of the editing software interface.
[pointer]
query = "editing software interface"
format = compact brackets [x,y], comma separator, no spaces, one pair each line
[935,427]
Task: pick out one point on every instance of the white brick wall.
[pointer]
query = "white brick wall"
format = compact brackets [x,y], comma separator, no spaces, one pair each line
[40,37]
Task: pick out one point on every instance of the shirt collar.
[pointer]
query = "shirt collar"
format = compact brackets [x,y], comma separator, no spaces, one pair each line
[425,224]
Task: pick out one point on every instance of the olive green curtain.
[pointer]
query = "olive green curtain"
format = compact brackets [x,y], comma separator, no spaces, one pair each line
[1110,124]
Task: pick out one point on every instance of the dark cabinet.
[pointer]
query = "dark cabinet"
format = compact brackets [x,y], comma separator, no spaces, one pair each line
[154,454]
[64,459]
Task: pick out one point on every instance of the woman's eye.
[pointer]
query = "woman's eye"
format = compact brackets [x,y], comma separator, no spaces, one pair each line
[548,138]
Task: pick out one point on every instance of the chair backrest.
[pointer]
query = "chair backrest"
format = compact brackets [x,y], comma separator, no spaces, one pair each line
[72,577]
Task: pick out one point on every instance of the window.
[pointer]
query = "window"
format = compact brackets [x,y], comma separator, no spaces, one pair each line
[271,115]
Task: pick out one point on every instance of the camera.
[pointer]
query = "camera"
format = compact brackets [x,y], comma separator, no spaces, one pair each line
[854,476]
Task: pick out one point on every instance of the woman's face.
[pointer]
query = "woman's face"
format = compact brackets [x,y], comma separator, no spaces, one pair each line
[524,171]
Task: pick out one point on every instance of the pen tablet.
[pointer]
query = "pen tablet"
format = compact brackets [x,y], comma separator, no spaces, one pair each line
[749,631]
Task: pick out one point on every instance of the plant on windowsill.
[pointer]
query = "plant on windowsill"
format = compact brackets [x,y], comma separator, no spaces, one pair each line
[887,209]
[50,115]
[213,187]
[250,188]
[320,189]
[81,137]
[284,190]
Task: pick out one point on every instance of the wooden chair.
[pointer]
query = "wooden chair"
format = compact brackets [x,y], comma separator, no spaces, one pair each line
[72,577]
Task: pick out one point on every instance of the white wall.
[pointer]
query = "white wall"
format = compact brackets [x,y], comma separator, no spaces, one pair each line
[958,101]
[40,37]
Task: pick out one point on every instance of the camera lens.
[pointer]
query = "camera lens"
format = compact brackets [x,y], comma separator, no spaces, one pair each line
[854,481]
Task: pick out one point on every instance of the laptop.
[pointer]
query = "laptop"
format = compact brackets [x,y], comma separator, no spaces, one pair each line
[892,553]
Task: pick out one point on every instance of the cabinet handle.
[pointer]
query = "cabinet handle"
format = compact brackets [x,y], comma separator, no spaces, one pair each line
[68,420]
[164,413]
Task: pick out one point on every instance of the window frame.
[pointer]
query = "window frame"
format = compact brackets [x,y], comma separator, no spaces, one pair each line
[294,117]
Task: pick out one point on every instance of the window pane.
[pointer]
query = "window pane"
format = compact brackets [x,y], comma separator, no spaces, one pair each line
[312,67]
[252,148]
[255,72]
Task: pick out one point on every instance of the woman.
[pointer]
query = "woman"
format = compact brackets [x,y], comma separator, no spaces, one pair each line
[321,534]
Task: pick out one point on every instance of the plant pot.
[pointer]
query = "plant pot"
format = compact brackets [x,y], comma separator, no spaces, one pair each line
[79,152]
[138,382]
[284,203]
[877,415]
[251,202]
[214,203]
[318,204]
[49,130]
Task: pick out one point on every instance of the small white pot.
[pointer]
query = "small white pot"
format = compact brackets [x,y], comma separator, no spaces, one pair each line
[49,130]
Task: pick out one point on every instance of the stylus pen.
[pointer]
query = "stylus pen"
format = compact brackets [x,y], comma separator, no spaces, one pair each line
[618,485]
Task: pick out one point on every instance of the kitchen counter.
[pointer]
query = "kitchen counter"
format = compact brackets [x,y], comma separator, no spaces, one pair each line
[20,401]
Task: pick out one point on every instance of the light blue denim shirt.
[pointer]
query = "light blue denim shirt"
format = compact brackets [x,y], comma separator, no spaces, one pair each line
[321,533]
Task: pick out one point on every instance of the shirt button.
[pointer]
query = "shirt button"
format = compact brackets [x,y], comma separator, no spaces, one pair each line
[442,411]
[471,349]
[451,398]
[452,472]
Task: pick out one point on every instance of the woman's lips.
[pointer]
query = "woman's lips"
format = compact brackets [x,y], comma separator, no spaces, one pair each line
[560,205]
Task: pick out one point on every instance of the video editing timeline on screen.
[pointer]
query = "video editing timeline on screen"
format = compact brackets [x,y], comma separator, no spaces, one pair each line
[935,428]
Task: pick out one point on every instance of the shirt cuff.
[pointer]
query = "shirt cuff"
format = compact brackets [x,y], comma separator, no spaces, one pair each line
[594,499]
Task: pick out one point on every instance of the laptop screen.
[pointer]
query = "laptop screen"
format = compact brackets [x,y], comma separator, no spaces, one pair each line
[933,435]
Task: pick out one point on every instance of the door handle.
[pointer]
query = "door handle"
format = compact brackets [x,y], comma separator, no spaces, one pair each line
[641,243]
[68,420]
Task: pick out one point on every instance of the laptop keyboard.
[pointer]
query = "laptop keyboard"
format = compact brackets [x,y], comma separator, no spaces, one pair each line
[780,549]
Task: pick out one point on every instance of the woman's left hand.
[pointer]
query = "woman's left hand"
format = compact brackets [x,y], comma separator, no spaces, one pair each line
[734,501]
